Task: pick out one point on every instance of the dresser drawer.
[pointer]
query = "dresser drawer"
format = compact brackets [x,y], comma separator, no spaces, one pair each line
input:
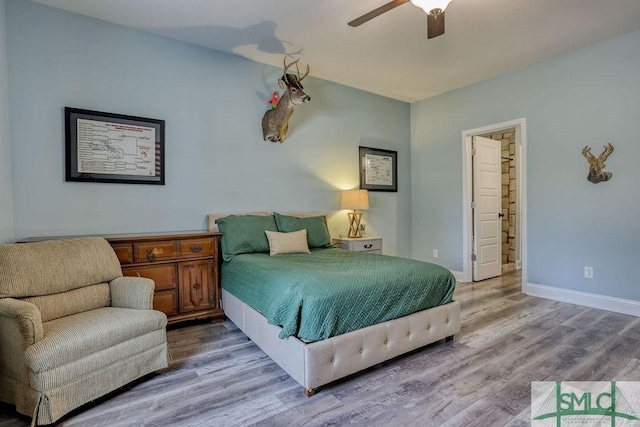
[124,251]
[193,248]
[163,275]
[155,251]
[365,245]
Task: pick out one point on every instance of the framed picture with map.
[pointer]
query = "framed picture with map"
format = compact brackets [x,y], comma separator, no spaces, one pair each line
[378,169]
[108,147]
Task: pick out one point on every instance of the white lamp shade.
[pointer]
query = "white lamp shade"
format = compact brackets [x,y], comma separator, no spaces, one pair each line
[429,5]
[355,199]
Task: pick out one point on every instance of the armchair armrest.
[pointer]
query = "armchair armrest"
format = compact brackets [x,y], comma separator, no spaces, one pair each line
[132,292]
[22,316]
[20,327]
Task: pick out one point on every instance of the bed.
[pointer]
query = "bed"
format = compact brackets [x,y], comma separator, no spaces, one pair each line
[313,313]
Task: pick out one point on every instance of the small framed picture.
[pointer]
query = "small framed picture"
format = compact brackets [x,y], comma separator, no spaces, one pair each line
[108,147]
[378,169]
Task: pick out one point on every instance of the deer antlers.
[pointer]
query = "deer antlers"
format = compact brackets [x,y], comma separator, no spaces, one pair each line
[596,165]
[286,67]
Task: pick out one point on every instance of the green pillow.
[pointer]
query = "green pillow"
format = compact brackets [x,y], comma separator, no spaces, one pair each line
[316,226]
[244,234]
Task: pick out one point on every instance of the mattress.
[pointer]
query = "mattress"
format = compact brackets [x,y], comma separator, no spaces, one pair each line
[334,291]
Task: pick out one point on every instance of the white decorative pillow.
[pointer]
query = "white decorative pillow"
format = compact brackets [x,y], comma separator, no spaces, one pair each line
[294,242]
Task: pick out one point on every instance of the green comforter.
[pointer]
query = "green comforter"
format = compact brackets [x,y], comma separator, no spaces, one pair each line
[333,291]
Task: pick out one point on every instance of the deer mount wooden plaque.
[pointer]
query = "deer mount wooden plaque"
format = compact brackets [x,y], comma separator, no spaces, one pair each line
[596,164]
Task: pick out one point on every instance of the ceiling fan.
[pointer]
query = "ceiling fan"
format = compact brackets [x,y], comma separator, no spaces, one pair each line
[433,8]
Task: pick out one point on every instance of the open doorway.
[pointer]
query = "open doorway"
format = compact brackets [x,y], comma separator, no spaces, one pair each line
[512,239]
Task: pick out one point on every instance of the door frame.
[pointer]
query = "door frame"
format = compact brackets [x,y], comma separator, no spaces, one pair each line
[520,126]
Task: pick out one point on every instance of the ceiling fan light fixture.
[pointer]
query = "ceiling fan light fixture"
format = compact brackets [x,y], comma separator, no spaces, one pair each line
[431,6]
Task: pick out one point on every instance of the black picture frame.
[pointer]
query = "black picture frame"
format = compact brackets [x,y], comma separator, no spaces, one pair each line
[136,155]
[378,169]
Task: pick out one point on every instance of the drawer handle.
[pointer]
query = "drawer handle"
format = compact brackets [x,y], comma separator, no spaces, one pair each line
[195,248]
[368,246]
[152,254]
[196,286]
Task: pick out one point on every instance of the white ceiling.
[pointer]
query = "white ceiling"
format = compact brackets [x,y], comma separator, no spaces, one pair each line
[390,55]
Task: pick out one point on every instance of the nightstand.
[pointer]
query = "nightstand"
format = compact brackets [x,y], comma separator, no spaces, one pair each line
[363,244]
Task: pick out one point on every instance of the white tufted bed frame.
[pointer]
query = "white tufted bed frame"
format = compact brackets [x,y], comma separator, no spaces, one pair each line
[318,363]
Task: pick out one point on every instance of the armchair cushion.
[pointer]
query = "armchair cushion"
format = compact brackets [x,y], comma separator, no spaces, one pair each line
[74,337]
[70,302]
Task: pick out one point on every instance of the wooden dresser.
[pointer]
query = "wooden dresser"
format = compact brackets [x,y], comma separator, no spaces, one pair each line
[184,266]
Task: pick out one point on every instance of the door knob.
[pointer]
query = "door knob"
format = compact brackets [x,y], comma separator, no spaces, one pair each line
[500,215]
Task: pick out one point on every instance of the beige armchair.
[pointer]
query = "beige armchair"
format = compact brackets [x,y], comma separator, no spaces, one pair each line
[72,328]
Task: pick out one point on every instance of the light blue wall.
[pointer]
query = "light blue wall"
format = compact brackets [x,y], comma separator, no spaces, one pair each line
[589,97]
[216,160]
[6,198]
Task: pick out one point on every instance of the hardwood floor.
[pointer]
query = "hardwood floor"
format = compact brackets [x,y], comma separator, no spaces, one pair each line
[482,378]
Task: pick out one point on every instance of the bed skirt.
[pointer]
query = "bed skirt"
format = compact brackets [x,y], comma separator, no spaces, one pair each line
[318,363]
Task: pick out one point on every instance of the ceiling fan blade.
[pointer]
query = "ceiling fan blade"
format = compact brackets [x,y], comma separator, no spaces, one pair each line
[375,12]
[435,24]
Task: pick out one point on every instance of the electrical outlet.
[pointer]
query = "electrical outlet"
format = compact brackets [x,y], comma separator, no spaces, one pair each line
[435,253]
[588,272]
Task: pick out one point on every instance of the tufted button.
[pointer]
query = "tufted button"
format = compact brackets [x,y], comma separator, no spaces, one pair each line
[360,350]
[408,334]
[446,321]
[333,359]
[428,327]
[386,342]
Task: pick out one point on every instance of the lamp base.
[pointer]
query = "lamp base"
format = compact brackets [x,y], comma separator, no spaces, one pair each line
[354,224]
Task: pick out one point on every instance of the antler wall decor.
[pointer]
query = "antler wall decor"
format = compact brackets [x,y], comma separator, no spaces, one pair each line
[596,164]
[275,122]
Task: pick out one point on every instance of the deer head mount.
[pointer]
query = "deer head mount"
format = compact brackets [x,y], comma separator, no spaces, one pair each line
[275,122]
[596,164]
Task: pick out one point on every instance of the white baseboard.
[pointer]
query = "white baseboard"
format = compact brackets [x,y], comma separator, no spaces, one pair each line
[602,302]
[460,277]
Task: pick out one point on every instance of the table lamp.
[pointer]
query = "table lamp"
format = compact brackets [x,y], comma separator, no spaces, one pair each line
[355,199]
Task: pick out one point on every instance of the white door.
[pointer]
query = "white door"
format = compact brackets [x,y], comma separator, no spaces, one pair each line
[487,212]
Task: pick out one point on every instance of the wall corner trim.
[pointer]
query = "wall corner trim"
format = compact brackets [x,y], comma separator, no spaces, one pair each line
[602,302]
